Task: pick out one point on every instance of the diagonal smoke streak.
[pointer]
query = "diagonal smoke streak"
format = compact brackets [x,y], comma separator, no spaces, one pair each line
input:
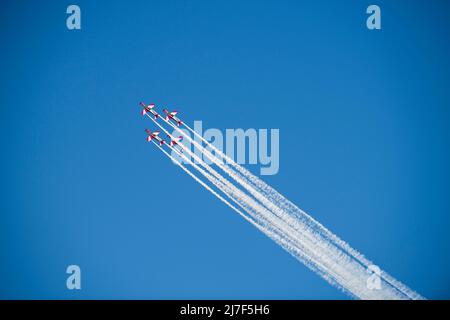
[291,209]
[259,187]
[316,258]
[315,249]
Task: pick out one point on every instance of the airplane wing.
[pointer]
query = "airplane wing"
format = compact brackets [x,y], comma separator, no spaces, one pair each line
[146,108]
[151,135]
[174,140]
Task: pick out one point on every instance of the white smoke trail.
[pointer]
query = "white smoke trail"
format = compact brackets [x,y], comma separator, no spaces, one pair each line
[258,188]
[318,259]
[309,247]
[267,219]
[291,209]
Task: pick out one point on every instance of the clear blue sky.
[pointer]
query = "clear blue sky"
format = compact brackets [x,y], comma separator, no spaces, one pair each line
[364,127]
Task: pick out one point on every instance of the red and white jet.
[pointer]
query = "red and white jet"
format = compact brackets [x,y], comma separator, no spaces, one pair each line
[154,135]
[172,115]
[176,141]
[149,108]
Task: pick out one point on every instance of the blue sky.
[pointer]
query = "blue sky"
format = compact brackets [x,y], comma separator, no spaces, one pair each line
[363,118]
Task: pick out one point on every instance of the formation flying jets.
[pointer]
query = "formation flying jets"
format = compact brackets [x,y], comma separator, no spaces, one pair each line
[154,135]
[149,109]
[172,116]
[174,141]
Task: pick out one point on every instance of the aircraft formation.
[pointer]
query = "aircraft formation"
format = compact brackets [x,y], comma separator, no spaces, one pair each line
[170,116]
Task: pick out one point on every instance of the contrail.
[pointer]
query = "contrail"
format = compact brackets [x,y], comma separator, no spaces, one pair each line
[304,238]
[326,245]
[264,217]
[259,187]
